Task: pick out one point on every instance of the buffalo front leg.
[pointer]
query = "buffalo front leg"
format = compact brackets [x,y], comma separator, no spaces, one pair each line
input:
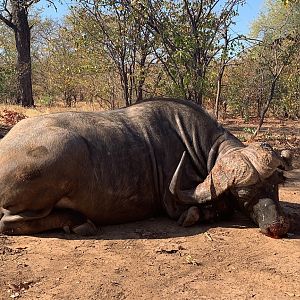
[189,217]
[66,219]
[211,213]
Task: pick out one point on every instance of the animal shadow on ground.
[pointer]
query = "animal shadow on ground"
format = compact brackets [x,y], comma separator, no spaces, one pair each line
[293,210]
[163,227]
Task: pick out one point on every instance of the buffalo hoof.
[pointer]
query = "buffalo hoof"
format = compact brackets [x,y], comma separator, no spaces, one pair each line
[190,217]
[85,229]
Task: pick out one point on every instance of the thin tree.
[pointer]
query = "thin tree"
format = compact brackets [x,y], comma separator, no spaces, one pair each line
[276,56]
[125,39]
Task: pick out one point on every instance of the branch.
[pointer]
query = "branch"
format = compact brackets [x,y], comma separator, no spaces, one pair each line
[8,23]
[191,17]
[199,12]
[52,3]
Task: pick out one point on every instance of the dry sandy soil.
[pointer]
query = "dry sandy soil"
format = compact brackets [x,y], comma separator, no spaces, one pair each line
[156,259]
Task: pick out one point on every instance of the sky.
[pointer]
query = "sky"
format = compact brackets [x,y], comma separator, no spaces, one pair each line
[247,13]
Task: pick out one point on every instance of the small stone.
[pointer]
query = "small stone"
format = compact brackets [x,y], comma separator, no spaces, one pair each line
[15,295]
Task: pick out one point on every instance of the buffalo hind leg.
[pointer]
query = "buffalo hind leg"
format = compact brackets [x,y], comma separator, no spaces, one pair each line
[66,219]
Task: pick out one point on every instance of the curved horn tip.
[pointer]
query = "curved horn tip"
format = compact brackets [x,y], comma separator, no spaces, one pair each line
[175,182]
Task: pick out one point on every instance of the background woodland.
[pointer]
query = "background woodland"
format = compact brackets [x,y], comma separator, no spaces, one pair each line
[116,53]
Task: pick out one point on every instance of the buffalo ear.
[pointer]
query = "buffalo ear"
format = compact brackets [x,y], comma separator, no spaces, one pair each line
[287,158]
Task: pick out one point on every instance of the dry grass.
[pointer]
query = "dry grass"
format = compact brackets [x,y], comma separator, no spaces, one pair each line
[59,107]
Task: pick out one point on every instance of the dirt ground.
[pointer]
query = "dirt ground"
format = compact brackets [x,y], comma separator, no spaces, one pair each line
[156,259]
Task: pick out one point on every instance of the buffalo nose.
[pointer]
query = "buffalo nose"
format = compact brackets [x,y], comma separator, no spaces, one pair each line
[270,217]
[278,229]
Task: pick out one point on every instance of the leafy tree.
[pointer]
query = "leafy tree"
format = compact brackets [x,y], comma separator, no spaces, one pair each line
[7,71]
[288,105]
[70,66]
[125,40]
[232,46]
[243,89]
[14,14]
[280,34]
[190,36]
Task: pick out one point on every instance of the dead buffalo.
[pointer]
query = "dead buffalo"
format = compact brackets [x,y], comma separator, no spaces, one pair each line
[76,169]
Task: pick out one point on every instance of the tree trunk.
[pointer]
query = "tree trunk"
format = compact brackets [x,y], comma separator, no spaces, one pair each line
[264,111]
[139,97]
[22,39]
[126,91]
[124,84]
[221,73]
[199,98]
[141,79]
[217,101]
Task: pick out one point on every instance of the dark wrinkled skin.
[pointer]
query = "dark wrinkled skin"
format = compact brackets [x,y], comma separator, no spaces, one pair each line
[116,167]
[261,203]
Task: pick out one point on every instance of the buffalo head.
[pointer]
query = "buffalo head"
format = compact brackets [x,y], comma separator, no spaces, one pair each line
[252,175]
